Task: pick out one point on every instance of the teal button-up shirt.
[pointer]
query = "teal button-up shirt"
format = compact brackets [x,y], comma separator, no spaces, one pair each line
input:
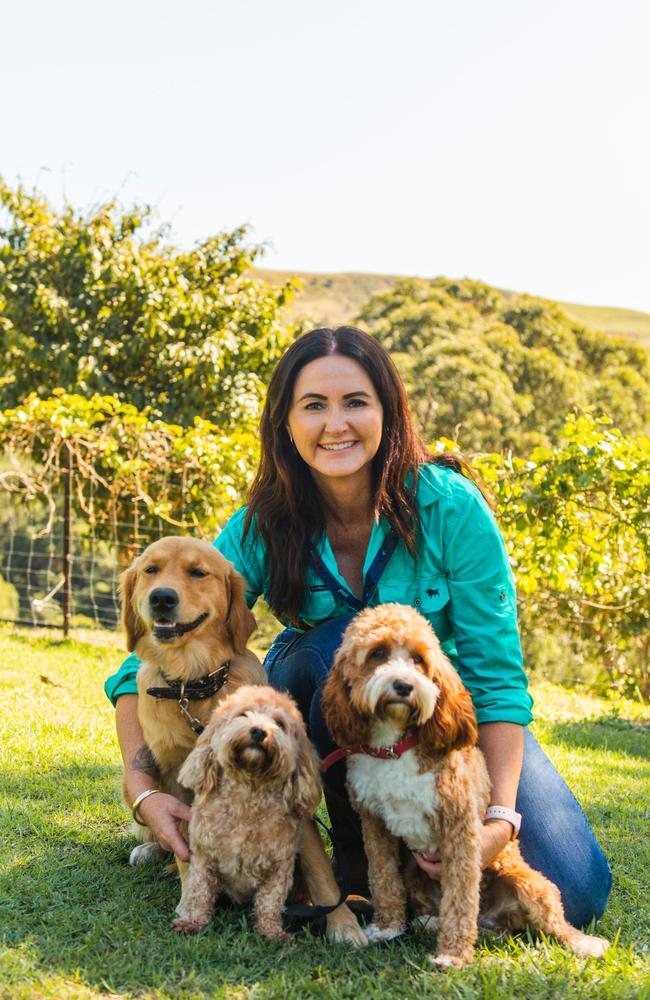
[459,579]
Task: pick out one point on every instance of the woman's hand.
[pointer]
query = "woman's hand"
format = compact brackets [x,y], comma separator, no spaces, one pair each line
[495,835]
[162,813]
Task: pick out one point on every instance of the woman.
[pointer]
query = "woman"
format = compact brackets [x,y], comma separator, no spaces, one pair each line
[349,509]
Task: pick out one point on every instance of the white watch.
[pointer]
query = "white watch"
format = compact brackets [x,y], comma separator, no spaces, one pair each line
[502,812]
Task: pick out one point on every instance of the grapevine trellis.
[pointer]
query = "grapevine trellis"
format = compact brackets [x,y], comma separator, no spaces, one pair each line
[85,484]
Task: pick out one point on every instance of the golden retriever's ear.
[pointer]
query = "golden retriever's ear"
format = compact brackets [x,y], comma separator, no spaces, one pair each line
[131,620]
[240,622]
[200,772]
[453,723]
[346,725]
[302,791]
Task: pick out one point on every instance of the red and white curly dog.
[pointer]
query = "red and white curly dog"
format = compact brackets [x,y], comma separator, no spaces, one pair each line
[256,782]
[391,679]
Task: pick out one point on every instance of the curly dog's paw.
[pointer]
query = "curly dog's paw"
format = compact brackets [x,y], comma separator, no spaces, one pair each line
[445,961]
[184,926]
[375,933]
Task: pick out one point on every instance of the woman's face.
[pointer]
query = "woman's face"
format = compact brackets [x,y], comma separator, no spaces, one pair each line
[335,418]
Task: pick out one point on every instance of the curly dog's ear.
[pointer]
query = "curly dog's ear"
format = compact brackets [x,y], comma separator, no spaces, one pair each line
[240,621]
[131,620]
[452,725]
[200,772]
[302,791]
[346,724]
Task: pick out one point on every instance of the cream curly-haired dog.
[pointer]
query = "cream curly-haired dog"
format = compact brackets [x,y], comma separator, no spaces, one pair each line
[255,780]
[391,684]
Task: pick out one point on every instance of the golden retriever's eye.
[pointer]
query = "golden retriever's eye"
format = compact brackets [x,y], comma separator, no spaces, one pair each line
[197,572]
[280,724]
[151,570]
[380,653]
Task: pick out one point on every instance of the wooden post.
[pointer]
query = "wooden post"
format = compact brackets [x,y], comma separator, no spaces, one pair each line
[67,540]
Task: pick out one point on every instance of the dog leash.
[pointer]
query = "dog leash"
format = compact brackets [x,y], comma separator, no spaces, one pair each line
[300,911]
[184,692]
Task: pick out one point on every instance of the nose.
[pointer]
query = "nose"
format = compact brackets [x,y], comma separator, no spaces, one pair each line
[336,420]
[163,599]
[402,688]
[258,735]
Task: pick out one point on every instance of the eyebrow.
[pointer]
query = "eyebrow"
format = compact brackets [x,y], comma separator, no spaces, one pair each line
[347,395]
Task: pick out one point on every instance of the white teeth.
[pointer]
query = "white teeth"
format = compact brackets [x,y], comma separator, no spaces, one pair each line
[338,447]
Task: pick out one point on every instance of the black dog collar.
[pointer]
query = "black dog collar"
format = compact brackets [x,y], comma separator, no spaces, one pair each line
[193,690]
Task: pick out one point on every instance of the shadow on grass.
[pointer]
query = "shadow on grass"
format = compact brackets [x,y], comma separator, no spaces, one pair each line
[606,733]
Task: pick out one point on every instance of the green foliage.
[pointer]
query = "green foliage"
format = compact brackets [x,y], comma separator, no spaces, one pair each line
[129,468]
[100,303]
[9,599]
[500,372]
[577,524]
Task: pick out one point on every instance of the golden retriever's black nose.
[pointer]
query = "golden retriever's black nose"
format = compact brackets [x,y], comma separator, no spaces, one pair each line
[258,735]
[163,600]
[402,689]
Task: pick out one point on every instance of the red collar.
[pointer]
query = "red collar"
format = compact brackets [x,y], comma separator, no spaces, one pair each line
[383,753]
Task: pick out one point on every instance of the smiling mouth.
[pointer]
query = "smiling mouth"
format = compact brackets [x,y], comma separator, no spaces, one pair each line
[344,446]
[165,630]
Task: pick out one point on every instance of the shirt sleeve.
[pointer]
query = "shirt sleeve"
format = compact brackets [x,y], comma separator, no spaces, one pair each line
[123,682]
[246,556]
[483,615]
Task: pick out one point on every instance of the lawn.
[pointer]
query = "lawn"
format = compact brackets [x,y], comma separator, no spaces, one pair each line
[76,921]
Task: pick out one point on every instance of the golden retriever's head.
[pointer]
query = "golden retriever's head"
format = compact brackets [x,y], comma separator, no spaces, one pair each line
[180,589]
[391,675]
[257,735]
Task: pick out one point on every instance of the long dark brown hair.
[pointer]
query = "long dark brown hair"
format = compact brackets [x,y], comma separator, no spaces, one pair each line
[284,501]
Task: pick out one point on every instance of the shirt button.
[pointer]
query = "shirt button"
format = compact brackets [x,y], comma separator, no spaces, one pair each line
[502,595]
[417,602]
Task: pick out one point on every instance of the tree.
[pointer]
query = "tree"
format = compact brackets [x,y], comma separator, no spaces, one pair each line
[100,303]
[494,371]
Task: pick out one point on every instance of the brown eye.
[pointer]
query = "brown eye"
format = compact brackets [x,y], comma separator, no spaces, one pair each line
[380,653]
[151,569]
[417,658]
[198,573]
[280,724]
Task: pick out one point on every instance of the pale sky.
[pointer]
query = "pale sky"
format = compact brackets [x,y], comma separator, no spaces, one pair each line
[505,140]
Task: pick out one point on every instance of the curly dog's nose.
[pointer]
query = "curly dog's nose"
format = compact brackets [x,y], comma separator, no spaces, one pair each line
[258,735]
[402,689]
[163,599]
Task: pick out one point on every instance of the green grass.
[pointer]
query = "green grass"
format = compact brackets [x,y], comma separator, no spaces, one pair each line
[76,921]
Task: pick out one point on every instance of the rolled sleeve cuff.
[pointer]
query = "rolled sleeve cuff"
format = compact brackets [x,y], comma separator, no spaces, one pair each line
[123,682]
[495,712]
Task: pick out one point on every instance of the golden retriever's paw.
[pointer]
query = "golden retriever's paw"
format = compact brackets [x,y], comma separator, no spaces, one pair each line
[445,961]
[150,851]
[343,928]
[587,946]
[182,925]
[375,933]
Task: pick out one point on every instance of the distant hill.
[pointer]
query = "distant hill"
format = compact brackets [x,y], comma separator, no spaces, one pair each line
[334,299]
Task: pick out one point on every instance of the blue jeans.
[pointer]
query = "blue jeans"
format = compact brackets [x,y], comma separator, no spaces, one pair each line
[555,836]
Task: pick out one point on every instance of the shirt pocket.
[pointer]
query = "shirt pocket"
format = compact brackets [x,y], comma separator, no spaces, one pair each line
[428,595]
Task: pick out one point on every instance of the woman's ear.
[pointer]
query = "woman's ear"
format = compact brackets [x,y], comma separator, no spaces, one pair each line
[240,622]
[452,725]
[131,620]
[200,772]
[346,725]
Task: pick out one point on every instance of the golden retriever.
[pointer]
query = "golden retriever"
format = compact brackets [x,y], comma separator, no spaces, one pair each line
[185,615]
[392,687]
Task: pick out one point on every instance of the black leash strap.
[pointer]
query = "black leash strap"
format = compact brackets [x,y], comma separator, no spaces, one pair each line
[301,911]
